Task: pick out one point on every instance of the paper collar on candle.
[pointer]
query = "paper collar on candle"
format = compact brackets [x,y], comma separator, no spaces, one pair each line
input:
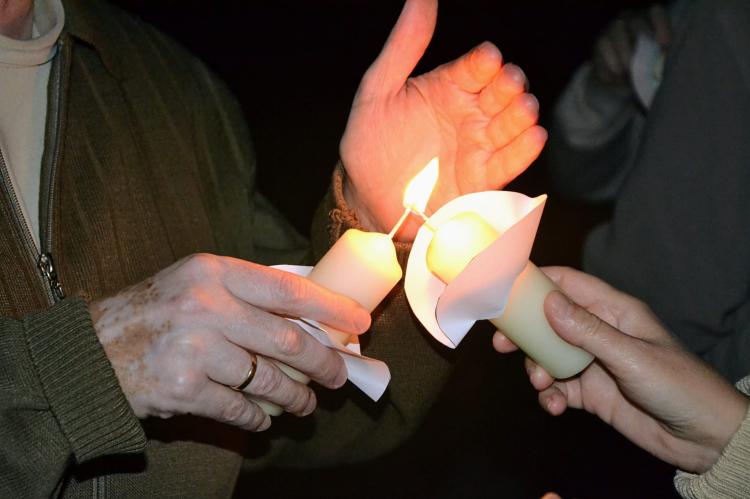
[369,375]
[481,290]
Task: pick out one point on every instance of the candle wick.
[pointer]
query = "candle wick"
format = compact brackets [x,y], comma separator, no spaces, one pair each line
[399,223]
[424,217]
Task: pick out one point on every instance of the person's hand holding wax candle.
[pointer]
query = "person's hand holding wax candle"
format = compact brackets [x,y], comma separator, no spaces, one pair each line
[473,112]
[643,383]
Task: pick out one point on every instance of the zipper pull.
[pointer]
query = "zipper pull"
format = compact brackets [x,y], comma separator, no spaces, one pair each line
[46,266]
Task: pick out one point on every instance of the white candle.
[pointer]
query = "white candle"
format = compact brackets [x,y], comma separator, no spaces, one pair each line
[363,265]
[455,243]
[360,265]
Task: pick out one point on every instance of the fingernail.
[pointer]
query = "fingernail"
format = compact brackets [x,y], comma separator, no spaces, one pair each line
[516,73]
[341,378]
[559,304]
[363,321]
[548,405]
[531,103]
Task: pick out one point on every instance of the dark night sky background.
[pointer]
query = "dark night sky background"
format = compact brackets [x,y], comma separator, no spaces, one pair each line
[295,65]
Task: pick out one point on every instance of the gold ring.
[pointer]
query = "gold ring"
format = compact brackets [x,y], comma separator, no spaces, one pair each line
[250,373]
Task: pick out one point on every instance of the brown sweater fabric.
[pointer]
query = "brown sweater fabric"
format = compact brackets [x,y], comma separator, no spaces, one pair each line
[147,160]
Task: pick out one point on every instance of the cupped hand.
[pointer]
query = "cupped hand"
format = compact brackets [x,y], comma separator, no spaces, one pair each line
[474,113]
[643,383]
[179,340]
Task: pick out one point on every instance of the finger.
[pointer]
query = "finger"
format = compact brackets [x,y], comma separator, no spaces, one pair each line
[607,62]
[553,400]
[509,83]
[474,70]
[288,294]
[617,351]
[402,50]
[268,382]
[277,338]
[521,114]
[502,344]
[661,24]
[507,163]
[540,379]
[583,288]
[225,405]
[622,44]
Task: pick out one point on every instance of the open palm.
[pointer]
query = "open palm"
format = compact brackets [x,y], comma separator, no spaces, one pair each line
[473,113]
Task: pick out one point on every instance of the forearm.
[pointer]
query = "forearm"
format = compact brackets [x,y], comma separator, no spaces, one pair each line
[60,403]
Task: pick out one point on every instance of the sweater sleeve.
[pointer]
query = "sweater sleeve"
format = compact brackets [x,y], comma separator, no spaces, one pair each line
[728,478]
[60,402]
[594,138]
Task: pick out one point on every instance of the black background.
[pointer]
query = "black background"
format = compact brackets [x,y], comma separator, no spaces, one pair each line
[295,66]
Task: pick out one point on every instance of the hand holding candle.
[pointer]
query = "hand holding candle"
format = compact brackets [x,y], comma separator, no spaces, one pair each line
[451,241]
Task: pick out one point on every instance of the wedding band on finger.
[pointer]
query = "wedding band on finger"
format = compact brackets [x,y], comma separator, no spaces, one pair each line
[250,373]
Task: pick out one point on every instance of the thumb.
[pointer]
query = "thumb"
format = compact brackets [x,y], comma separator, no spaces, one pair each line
[583,329]
[403,49]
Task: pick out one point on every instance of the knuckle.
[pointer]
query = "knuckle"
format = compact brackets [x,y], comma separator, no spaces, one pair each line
[267,381]
[235,412]
[200,265]
[256,418]
[186,386]
[291,289]
[193,301]
[590,324]
[289,342]
[301,401]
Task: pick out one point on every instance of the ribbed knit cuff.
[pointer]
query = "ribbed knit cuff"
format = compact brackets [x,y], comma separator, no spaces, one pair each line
[728,477]
[341,217]
[80,384]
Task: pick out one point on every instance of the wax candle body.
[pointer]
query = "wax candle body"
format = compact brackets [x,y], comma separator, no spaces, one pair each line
[360,265]
[455,243]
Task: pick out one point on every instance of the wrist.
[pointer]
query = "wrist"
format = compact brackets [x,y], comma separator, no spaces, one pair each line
[726,427]
[359,208]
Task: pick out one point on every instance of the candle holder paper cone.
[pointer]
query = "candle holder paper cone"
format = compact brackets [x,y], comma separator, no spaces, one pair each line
[369,375]
[481,290]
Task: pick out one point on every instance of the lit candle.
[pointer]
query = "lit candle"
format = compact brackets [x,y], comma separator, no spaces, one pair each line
[363,266]
[455,243]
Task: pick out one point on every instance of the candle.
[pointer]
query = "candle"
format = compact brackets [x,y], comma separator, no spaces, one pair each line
[455,243]
[363,266]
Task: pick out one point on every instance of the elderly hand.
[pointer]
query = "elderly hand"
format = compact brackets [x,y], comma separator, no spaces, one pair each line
[661,397]
[473,112]
[179,340]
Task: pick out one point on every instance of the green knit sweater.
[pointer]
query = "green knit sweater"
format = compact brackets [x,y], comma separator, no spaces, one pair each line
[147,160]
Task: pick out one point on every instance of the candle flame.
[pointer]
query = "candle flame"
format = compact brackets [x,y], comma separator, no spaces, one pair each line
[420,188]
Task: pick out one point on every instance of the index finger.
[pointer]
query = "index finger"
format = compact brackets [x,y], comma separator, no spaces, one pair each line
[284,293]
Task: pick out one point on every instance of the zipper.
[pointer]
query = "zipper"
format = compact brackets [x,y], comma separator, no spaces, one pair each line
[45,262]
[41,257]
[41,260]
